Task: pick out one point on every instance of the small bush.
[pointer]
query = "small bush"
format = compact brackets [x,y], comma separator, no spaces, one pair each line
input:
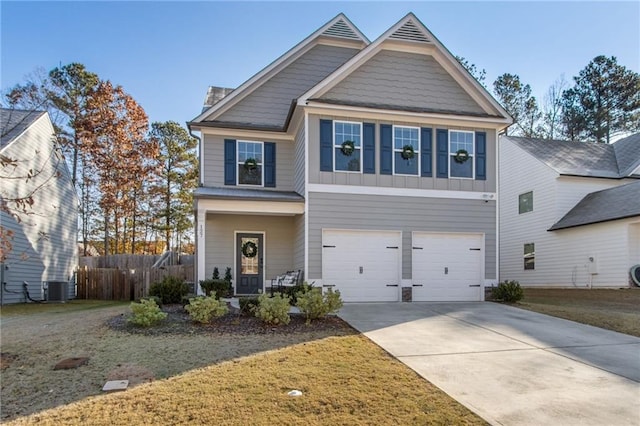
[221,288]
[314,304]
[292,292]
[146,313]
[227,274]
[169,290]
[508,291]
[248,305]
[273,310]
[204,309]
[216,274]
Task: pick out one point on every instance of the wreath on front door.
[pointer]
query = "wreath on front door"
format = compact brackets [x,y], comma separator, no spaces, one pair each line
[462,155]
[347,148]
[249,249]
[407,152]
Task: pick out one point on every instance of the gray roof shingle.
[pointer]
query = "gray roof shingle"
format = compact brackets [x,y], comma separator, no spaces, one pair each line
[246,194]
[602,206]
[616,160]
[13,122]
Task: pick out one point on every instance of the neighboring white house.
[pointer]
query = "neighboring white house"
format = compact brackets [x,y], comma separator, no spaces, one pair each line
[44,251]
[369,166]
[569,212]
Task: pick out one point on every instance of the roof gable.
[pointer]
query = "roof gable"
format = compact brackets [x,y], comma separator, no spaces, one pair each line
[14,122]
[627,152]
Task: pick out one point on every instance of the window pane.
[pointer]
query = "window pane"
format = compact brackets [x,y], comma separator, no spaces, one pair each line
[525,203]
[348,163]
[249,265]
[249,150]
[464,170]
[347,132]
[406,167]
[461,140]
[405,136]
[529,256]
[248,176]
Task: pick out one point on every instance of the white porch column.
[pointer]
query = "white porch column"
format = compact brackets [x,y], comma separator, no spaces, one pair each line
[200,246]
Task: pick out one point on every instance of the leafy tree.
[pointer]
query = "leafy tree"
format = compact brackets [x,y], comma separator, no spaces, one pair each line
[604,102]
[176,174]
[479,74]
[516,98]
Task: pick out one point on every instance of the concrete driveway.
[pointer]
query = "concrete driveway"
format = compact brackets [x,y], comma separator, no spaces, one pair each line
[511,366]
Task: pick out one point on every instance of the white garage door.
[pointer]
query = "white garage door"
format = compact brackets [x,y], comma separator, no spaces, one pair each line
[447,267]
[363,265]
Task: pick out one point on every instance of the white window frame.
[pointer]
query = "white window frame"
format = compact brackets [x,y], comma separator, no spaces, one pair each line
[531,255]
[394,150]
[360,148]
[520,195]
[472,158]
[261,143]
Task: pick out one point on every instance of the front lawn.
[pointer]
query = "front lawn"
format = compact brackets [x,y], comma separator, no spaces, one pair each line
[613,309]
[55,307]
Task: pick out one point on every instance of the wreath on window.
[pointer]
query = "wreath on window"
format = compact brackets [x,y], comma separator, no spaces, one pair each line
[462,155]
[250,164]
[249,249]
[407,152]
[347,148]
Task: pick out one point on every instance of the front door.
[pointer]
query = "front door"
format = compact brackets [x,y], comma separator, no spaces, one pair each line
[249,261]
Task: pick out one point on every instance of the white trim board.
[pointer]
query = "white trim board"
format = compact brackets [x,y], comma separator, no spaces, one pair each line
[401,192]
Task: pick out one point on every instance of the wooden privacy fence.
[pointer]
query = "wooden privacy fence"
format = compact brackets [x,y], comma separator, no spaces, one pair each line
[125,284]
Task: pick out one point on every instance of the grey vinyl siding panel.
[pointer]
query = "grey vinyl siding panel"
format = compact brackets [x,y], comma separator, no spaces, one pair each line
[406,214]
[214,162]
[404,79]
[45,247]
[298,247]
[394,181]
[299,162]
[269,104]
[279,241]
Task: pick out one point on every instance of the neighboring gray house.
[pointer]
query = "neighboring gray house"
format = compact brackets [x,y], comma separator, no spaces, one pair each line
[43,251]
[569,212]
[369,166]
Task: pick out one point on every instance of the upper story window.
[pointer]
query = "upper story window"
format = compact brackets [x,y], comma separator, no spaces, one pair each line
[525,202]
[250,160]
[347,146]
[461,154]
[406,150]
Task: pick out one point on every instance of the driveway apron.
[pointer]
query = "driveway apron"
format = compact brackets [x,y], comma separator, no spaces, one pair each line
[511,366]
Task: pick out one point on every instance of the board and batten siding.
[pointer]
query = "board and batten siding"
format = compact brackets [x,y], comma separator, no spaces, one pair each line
[394,181]
[214,162]
[44,245]
[421,82]
[299,161]
[269,104]
[396,213]
[279,237]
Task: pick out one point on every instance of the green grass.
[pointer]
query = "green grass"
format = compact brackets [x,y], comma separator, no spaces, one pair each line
[55,308]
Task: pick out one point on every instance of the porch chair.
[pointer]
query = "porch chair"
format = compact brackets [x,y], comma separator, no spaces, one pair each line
[288,279]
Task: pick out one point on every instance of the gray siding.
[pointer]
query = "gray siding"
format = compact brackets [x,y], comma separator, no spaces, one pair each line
[392,181]
[214,162]
[406,214]
[405,80]
[44,245]
[269,104]
[279,241]
[299,164]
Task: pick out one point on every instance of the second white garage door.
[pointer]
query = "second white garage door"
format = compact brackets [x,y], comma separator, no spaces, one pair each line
[363,265]
[447,267]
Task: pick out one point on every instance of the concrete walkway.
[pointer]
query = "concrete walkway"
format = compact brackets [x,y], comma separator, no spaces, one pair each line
[511,366]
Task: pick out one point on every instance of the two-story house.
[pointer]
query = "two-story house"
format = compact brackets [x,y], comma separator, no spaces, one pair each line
[370,166]
[569,212]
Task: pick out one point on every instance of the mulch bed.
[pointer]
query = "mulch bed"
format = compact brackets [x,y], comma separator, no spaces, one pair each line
[233,323]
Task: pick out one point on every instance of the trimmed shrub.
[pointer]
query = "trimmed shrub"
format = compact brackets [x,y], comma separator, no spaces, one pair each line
[508,291]
[146,313]
[314,304]
[273,310]
[248,305]
[169,290]
[227,274]
[221,288]
[216,274]
[204,309]
[293,291]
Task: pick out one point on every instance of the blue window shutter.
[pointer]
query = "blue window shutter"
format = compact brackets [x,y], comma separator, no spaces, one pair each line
[270,164]
[386,149]
[426,150]
[369,146]
[442,140]
[229,162]
[481,156]
[326,145]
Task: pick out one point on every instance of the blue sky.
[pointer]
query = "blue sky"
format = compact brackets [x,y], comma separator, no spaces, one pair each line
[166,54]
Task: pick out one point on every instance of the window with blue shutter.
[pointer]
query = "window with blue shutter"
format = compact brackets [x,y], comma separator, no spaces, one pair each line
[270,164]
[229,162]
[426,151]
[442,154]
[369,144]
[326,145]
[481,156]
[386,149]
